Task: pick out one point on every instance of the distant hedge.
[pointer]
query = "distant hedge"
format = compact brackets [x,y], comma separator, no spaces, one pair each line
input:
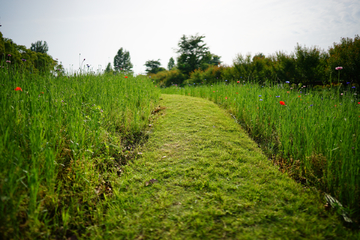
[306,65]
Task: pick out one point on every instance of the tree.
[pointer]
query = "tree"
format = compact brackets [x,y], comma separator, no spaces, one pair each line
[108,68]
[153,66]
[310,64]
[347,55]
[40,47]
[122,61]
[194,54]
[171,64]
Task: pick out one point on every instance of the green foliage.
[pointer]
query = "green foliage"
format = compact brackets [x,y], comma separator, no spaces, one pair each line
[345,54]
[310,65]
[201,177]
[168,78]
[40,47]
[122,61]
[153,66]
[171,63]
[63,141]
[314,137]
[19,58]
[109,68]
[210,75]
[194,54]
[284,67]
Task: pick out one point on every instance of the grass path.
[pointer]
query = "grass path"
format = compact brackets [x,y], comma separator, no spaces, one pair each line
[201,177]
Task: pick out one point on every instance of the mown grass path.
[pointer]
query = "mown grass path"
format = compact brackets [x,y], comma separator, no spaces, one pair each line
[201,177]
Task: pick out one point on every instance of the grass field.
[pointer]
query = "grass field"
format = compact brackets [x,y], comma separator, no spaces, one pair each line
[311,134]
[103,157]
[201,177]
[63,140]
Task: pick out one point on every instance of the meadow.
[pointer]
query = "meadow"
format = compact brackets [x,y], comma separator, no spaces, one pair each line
[311,134]
[63,142]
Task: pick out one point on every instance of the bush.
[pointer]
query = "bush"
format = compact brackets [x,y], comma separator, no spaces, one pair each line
[168,78]
[210,75]
[347,55]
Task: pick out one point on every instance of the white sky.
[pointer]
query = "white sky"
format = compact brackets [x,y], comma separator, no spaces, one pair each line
[151,29]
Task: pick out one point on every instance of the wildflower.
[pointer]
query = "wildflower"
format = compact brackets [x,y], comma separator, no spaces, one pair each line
[24,60]
[282,103]
[9,55]
[347,82]
[8,61]
[342,94]
[287,92]
[338,68]
[299,95]
[358,102]
[18,89]
[260,99]
[213,91]
[225,80]
[278,96]
[225,97]
[238,81]
[287,82]
[311,105]
[353,87]
[335,105]
[300,91]
[237,93]
[42,92]
[126,76]
[259,95]
[304,86]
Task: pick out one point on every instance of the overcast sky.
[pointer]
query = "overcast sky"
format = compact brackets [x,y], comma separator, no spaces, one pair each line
[151,29]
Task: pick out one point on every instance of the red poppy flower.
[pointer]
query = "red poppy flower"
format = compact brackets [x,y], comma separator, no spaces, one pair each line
[42,92]
[126,76]
[225,97]
[237,93]
[18,89]
[238,81]
[358,102]
[282,103]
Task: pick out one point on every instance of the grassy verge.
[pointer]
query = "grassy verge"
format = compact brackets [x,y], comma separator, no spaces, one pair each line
[63,141]
[312,135]
[201,177]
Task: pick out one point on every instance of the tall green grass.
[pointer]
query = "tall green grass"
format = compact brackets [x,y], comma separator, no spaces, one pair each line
[315,136]
[62,143]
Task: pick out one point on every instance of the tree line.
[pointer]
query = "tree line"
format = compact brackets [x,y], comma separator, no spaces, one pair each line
[196,64]
[34,60]
[306,65]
